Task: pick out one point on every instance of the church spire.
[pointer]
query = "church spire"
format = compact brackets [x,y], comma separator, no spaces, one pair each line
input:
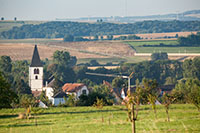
[36,58]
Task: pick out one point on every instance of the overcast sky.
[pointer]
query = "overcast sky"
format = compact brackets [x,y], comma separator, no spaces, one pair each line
[52,9]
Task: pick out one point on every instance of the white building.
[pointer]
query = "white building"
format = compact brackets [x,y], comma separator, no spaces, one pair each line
[59,98]
[76,88]
[36,72]
[49,92]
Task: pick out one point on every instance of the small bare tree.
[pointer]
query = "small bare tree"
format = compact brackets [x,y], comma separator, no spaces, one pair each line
[168,99]
[132,100]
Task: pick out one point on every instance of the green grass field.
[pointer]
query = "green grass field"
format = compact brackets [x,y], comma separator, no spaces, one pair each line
[113,119]
[137,45]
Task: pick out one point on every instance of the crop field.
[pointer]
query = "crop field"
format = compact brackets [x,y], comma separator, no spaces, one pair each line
[102,51]
[137,45]
[116,51]
[113,119]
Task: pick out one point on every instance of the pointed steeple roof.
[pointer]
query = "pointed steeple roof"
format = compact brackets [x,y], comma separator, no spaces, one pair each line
[36,58]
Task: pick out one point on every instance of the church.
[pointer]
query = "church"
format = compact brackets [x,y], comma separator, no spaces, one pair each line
[36,72]
[36,80]
[36,83]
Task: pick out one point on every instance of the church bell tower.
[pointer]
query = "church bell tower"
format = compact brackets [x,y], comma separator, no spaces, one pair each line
[36,72]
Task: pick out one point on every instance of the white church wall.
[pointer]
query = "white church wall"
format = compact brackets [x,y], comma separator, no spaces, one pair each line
[36,80]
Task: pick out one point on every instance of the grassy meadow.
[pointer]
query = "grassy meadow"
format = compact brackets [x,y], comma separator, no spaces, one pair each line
[137,45]
[113,119]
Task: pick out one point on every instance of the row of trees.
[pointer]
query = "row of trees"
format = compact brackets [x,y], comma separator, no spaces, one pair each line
[71,38]
[61,29]
[191,40]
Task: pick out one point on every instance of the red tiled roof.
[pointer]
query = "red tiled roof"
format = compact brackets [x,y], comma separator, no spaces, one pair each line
[36,93]
[69,87]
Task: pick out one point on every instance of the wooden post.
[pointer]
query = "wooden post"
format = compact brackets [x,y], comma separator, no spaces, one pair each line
[133,118]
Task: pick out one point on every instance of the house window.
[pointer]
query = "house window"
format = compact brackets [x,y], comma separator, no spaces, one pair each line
[84,92]
[36,77]
[36,71]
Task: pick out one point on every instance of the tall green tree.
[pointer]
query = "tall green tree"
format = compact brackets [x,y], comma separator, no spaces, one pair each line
[7,95]
[191,68]
[190,90]
[5,64]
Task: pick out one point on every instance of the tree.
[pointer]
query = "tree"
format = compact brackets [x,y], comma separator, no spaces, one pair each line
[119,82]
[191,68]
[15,18]
[2,18]
[96,37]
[151,86]
[190,89]
[7,96]
[94,63]
[5,64]
[167,100]
[159,56]
[68,38]
[61,58]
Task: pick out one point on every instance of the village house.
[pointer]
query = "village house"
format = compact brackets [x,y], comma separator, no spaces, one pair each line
[76,89]
[59,98]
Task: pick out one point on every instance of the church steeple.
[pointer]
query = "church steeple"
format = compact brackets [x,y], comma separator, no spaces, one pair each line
[36,72]
[36,58]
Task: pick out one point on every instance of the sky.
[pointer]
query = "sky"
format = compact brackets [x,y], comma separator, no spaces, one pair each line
[52,9]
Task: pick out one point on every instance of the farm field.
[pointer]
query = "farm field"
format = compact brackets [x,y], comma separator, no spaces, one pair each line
[137,45]
[113,119]
[102,51]
[84,51]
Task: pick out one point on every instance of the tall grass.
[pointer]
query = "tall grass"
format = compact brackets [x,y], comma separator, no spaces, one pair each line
[184,118]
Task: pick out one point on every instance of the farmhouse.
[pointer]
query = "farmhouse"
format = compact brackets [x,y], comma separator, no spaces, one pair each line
[76,89]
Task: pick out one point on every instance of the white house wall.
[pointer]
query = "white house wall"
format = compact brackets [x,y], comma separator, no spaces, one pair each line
[49,92]
[57,101]
[81,90]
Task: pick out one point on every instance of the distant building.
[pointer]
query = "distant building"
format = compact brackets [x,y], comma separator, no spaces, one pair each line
[36,72]
[76,88]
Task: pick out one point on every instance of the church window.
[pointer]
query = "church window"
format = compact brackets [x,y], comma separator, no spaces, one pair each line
[36,77]
[36,71]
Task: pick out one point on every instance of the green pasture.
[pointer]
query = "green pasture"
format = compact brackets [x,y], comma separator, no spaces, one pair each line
[111,119]
[101,60]
[114,60]
[137,45]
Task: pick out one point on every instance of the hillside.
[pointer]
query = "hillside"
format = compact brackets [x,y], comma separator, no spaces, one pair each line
[192,15]
[60,29]
[23,51]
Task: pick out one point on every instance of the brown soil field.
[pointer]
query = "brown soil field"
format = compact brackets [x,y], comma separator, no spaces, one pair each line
[24,51]
[100,48]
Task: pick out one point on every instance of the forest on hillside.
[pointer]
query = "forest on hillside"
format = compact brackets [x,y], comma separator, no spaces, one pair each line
[58,29]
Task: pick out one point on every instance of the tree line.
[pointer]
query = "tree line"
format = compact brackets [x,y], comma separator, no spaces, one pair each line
[57,29]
